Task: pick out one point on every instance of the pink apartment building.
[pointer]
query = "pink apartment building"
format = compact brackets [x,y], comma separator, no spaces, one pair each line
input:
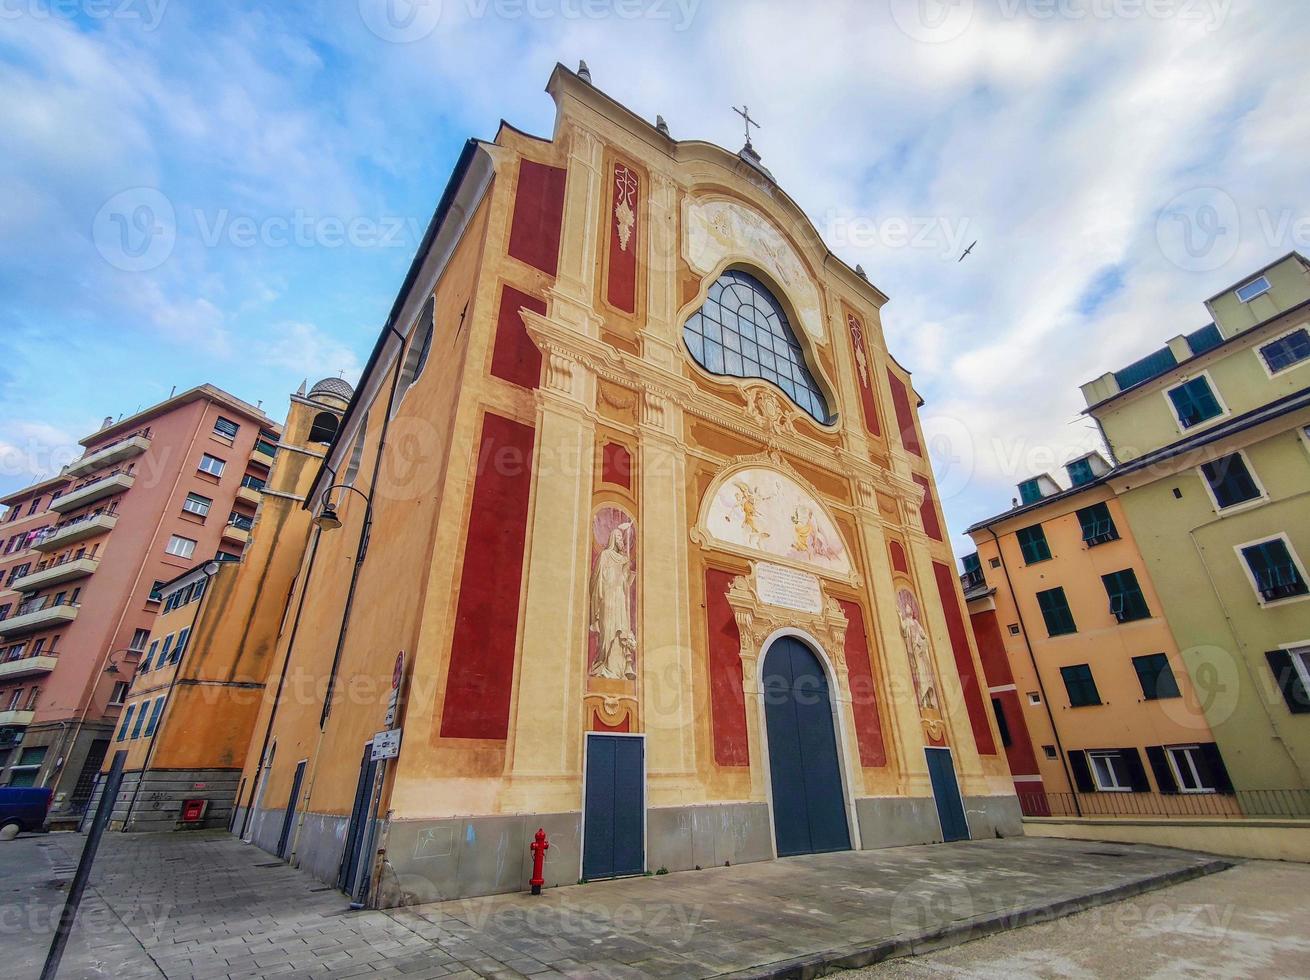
[82,556]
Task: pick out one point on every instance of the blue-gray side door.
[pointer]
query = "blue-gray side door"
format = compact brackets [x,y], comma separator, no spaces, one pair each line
[614,810]
[946,791]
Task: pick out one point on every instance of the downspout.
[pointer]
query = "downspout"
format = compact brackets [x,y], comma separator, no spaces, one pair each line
[1032,657]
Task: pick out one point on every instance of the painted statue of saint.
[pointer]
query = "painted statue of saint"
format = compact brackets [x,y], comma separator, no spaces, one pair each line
[916,644]
[611,609]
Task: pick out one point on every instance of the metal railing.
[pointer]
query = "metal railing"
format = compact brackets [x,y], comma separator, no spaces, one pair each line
[110,511]
[141,433]
[43,602]
[116,471]
[1247,803]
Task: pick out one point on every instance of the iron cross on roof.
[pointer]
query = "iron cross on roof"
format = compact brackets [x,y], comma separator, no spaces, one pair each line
[748,122]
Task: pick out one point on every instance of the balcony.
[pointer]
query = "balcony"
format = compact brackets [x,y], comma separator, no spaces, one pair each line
[75,531]
[19,719]
[115,452]
[249,494]
[55,573]
[93,490]
[35,616]
[261,457]
[26,667]
[235,533]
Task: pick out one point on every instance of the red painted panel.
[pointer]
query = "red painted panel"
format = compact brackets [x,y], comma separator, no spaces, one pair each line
[616,465]
[515,358]
[625,227]
[1032,799]
[904,415]
[538,216]
[899,561]
[727,701]
[1021,753]
[864,374]
[973,695]
[864,692]
[928,509]
[483,650]
[991,648]
[599,726]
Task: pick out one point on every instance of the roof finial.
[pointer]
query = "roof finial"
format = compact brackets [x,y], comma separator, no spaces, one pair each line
[301,390]
[661,125]
[584,72]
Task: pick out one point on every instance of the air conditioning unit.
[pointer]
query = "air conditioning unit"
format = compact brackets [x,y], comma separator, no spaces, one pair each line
[193,812]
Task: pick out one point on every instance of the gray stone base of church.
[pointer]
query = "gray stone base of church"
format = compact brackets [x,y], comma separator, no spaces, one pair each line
[466,857]
[154,802]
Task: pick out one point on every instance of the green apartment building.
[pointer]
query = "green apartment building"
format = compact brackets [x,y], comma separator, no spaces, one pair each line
[1211,436]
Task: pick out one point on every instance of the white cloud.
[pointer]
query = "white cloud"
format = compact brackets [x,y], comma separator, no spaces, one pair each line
[305,348]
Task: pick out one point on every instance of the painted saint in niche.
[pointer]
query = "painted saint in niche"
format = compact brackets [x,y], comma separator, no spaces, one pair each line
[916,644]
[810,540]
[749,499]
[612,625]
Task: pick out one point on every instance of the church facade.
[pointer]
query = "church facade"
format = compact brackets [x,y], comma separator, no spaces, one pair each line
[630,534]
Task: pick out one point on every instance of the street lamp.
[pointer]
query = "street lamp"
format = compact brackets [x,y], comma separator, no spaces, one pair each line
[328,518]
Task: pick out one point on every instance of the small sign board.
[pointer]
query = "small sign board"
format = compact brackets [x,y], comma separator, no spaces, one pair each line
[386,745]
[789,588]
[397,675]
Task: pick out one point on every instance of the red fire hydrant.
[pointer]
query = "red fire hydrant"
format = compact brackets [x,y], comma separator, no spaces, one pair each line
[539,847]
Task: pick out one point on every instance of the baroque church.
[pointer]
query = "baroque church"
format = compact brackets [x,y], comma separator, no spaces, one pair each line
[629,533]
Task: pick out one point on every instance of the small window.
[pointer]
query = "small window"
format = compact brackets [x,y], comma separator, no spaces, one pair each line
[1254,288]
[36,502]
[1274,571]
[1032,542]
[182,638]
[140,720]
[324,428]
[155,590]
[1081,686]
[973,573]
[32,697]
[127,721]
[994,562]
[196,504]
[180,546]
[1030,491]
[1156,677]
[211,465]
[1230,481]
[1049,751]
[1190,769]
[163,651]
[1126,600]
[226,428]
[252,482]
[226,556]
[139,638]
[154,716]
[1056,612]
[1291,669]
[420,346]
[150,656]
[1287,351]
[1080,472]
[119,693]
[1014,629]
[1110,770]
[1097,524]
[1002,726]
[1194,402]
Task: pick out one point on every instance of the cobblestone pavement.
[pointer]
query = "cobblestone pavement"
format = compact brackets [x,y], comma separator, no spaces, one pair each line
[205,905]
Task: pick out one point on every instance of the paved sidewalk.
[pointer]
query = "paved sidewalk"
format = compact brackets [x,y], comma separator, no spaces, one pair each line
[205,905]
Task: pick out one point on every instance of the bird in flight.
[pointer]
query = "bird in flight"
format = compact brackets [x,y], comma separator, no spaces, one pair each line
[967,250]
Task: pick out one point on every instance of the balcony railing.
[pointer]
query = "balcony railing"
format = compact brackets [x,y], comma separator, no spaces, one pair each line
[93,489]
[55,572]
[31,617]
[1273,804]
[30,666]
[126,447]
[76,529]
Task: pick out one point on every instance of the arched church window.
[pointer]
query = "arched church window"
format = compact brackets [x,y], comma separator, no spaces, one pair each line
[420,345]
[324,428]
[742,331]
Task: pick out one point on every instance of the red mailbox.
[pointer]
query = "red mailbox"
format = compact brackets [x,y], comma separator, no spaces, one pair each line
[193,811]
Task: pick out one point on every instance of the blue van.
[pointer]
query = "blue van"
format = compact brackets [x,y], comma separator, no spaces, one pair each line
[25,806]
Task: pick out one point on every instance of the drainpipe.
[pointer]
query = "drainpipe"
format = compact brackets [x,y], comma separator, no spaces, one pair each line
[1046,702]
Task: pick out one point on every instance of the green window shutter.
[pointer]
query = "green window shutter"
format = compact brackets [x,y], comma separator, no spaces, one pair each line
[1126,600]
[1032,542]
[1213,771]
[1136,773]
[1156,677]
[1289,681]
[1097,525]
[127,720]
[1082,772]
[1030,491]
[1164,776]
[1080,686]
[1276,575]
[1055,611]
[1230,481]
[1194,402]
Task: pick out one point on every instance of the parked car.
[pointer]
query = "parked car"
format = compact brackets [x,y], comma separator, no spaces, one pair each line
[23,807]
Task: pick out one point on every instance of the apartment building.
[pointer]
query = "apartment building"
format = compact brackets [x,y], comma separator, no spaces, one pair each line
[86,553]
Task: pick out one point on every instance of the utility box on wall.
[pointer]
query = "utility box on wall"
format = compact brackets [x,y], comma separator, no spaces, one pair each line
[193,812]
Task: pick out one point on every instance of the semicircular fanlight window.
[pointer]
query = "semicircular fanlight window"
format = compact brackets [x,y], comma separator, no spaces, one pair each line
[743,332]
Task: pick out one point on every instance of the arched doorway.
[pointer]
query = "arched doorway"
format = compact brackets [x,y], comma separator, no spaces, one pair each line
[809,810]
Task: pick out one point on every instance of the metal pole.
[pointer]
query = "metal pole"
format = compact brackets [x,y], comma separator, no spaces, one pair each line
[66,918]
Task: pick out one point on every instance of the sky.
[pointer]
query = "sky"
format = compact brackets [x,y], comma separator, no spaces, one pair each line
[231,192]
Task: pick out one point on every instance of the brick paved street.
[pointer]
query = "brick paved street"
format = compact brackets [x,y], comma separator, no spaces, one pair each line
[204,905]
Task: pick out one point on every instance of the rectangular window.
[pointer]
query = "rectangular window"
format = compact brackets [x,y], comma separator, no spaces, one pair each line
[119,693]
[1189,769]
[35,504]
[31,699]
[1194,402]
[1080,472]
[1032,542]
[1230,481]
[180,546]
[1254,288]
[211,465]
[155,592]
[140,720]
[1286,351]
[1273,570]
[1110,771]
[4,611]
[127,721]
[1081,686]
[1002,726]
[252,482]
[154,716]
[1126,600]
[149,657]
[973,572]
[1291,668]
[265,447]
[196,504]
[1156,677]
[163,653]
[226,556]
[182,637]
[1097,524]
[1056,612]
[1030,491]
[139,639]
[15,697]
[226,428]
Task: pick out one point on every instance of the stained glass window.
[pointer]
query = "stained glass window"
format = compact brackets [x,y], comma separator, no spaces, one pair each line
[743,332]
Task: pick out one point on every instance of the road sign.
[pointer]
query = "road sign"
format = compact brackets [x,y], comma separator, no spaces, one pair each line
[386,745]
[397,675]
